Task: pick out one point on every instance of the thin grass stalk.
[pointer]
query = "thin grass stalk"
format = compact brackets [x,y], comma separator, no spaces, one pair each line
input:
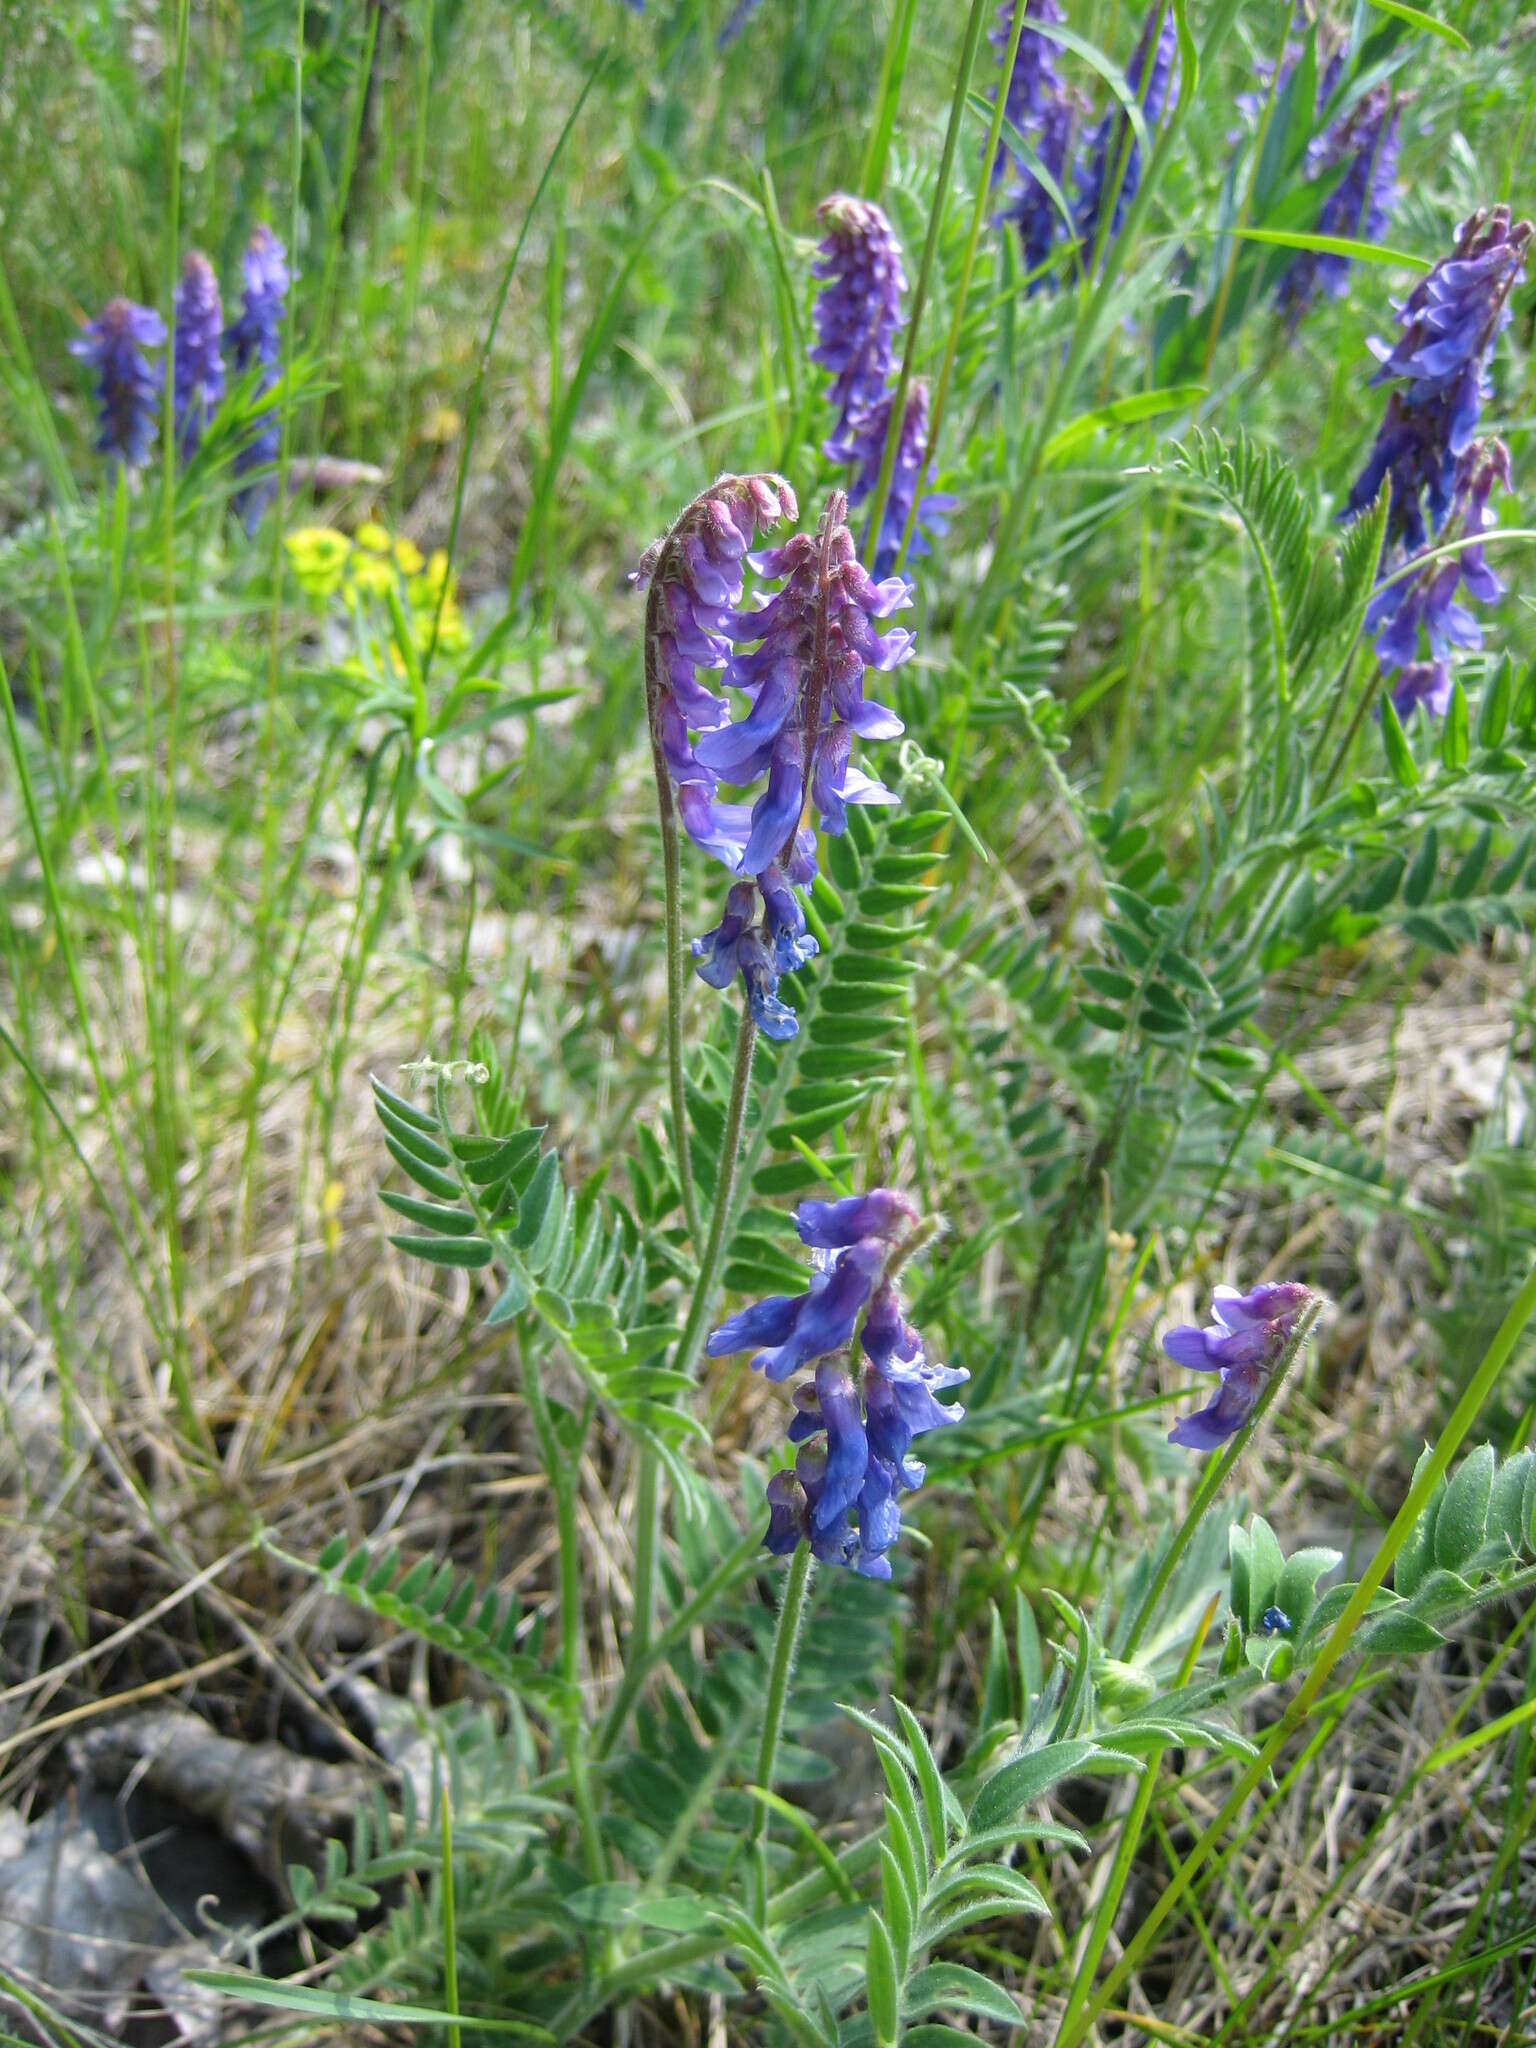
[648,1488]
[1229,272]
[104,1095]
[893,68]
[973,27]
[271,776]
[450,1931]
[952,344]
[1465,1413]
[1108,1909]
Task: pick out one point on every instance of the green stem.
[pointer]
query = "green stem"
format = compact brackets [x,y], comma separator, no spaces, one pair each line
[1337,1645]
[648,1502]
[1070,2030]
[973,27]
[786,1636]
[730,1152]
[1213,1479]
[672,880]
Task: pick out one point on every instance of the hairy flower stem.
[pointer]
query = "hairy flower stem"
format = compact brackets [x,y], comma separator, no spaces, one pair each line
[730,1152]
[786,1636]
[1213,1479]
[672,882]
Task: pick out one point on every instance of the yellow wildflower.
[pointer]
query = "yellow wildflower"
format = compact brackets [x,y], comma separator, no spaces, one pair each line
[318,555]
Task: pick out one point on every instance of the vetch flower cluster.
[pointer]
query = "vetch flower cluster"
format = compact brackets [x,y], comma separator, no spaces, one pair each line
[198,363]
[1044,110]
[873,1390]
[1359,206]
[255,342]
[127,386]
[1441,476]
[799,659]
[1152,75]
[1426,602]
[1439,367]
[1244,1343]
[858,316]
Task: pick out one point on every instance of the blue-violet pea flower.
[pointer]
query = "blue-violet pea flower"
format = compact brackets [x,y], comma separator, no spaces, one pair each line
[866,450]
[127,388]
[1031,208]
[1428,600]
[1034,85]
[872,1391]
[198,364]
[1152,76]
[254,342]
[1439,366]
[1245,1341]
[801,660]
[858,311]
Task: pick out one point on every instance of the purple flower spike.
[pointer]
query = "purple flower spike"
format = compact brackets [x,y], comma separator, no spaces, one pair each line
[829,1226]
[1450,321]
[866,450]
[1358,208]
[1152,76]
[127,388]
[1426,605]
[199,365]
[255,342]
[853,1427]
[1243,1343]
[1034,87]
[859,311]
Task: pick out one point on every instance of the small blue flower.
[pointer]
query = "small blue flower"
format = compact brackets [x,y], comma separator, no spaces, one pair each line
[1151,75]
[198,363]
[1274,1621]
[1243,1344]
[853,1428]
[127,387]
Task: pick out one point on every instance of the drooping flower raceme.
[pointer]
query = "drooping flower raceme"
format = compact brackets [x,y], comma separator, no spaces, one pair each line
[801,658]
[1439,365]
[1360,205]
[1244,1342]
[198,361]
[254,341]
[872,1391]
[695,576]
[1151,74]
[858,312]
[1030,207]
[127,386]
